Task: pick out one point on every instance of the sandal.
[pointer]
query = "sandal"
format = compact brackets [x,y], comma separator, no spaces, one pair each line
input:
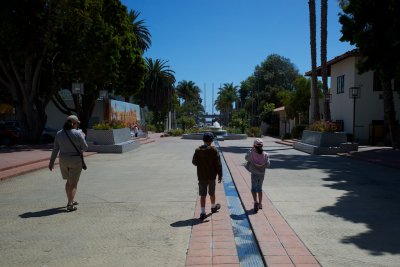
[260,206]
[74,203]
[71,208]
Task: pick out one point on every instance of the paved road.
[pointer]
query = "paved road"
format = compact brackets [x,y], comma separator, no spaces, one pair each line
[345,211]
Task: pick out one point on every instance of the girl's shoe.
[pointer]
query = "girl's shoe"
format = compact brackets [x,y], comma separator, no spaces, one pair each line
[256,207]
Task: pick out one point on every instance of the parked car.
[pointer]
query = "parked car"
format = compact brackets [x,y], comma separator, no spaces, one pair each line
[9,135]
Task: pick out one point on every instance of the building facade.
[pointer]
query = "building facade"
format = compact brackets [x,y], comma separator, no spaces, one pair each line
[362,113]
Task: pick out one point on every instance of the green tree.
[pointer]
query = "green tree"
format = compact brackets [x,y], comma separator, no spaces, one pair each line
[267,113]
[27,32]
[140,30]
[313,46]
[47,45]
[374,27]
[240,120]
[103,56]
[227,96]
[191,106]
[158,92]
[188,91]
[274,74]
[297,102]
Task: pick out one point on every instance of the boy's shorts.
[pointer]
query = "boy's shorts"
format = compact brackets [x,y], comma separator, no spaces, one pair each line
[203,188]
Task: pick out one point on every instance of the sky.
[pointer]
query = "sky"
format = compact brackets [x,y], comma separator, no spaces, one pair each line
[212,42]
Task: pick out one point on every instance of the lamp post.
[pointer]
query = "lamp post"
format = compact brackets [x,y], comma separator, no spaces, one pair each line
[354,92]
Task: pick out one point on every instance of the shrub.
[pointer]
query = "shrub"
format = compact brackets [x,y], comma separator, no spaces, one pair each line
[108,125]
[297,131]
[234,130]
[254,132]
[286,136]
[175,132]
[151,127]
[323,126]
[193,130]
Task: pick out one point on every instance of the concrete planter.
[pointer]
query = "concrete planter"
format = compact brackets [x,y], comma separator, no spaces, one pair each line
[110,141]
[108,137]
[323,139]
[323,143]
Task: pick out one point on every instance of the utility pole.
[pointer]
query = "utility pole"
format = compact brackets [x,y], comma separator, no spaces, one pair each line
[212,104]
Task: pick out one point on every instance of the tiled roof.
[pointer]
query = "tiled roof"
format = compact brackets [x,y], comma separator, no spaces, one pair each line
[351,53]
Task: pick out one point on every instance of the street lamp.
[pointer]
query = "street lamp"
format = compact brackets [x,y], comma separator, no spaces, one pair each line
[328,98]
[354,92]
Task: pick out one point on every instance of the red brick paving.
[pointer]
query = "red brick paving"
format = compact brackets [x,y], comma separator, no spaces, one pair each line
[212,242]
[279,244]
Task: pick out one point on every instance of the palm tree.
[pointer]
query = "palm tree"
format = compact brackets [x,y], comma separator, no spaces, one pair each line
[142,33]
[227,95]
[324,70]
[158,87]
[188,91]
[313,43]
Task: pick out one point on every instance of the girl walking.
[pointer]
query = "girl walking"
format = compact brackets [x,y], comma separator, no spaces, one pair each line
[257,162]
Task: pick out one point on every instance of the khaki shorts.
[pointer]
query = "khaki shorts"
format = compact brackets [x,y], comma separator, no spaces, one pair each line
[71,168]
[203,188]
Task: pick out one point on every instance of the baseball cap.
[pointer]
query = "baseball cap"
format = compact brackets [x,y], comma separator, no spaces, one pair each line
[258,142]
[208,137]
[73,118]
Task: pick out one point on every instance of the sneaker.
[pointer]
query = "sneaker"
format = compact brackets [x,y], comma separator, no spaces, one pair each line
[217,207]
[203,216]
[256,207]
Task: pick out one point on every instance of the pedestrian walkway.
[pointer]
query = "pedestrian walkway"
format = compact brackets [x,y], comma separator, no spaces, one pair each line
[279,244]
[212,242]
[20,159]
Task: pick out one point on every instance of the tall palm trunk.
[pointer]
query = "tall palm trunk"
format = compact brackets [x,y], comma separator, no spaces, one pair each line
[313,44]
[324,70]
[389,112]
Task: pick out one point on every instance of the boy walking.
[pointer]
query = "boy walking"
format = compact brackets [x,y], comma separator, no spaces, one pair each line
[208,162]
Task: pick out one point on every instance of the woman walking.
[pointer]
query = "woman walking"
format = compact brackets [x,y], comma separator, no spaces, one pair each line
[68,141]
[257,162]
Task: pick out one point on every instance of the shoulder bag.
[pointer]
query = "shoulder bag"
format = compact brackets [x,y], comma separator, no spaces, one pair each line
[77,150]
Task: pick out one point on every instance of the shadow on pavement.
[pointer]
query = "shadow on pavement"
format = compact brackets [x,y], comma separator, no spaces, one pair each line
[43,213]
[188,222]
[372,197]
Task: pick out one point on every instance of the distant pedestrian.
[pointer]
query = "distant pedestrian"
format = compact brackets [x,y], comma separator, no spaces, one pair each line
[208,162]
[136,129]
[67,141]
[257,162]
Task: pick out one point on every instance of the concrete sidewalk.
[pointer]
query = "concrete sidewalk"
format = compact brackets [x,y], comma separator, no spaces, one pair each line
[20,159]
[318,210]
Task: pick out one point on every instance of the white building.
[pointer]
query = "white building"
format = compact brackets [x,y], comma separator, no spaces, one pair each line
[369,118]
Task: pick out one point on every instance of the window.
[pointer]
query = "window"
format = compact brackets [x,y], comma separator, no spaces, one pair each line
[377,83]
[340,84]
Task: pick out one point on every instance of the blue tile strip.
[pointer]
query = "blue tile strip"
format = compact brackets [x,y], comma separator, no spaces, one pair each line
[246,244]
